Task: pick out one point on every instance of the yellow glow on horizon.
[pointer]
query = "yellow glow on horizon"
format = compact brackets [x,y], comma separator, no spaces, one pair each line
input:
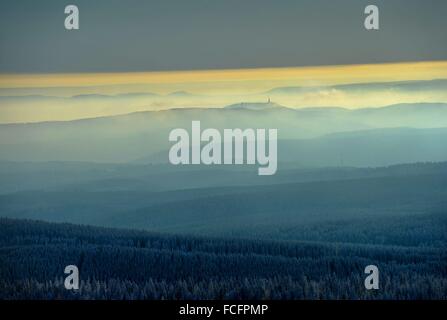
[237,80]
[209,89]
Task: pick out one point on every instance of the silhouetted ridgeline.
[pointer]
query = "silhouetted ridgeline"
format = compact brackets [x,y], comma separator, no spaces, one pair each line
[126,264]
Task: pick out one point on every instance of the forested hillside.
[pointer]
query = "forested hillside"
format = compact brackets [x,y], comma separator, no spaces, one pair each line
[126,264]
[347,197]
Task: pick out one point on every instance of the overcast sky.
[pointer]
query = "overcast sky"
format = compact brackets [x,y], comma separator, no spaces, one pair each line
[136,35]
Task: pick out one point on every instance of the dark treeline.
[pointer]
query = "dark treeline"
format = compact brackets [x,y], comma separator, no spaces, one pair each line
[419,230]
[127,264]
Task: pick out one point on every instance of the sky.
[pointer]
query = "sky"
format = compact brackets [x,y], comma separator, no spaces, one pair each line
[215,52]
[137,35]
[227,81]
[61,96]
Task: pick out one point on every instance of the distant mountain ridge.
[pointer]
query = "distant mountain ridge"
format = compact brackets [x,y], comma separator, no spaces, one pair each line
[434,85]
[411,85]
[261,106]
[257,106]
[144,135]
[397,192]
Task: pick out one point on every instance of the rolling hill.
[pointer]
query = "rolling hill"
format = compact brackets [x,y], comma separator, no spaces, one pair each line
[413,133]
[252,210]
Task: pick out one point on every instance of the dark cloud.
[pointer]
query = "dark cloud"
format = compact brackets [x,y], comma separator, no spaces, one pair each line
[133,35]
